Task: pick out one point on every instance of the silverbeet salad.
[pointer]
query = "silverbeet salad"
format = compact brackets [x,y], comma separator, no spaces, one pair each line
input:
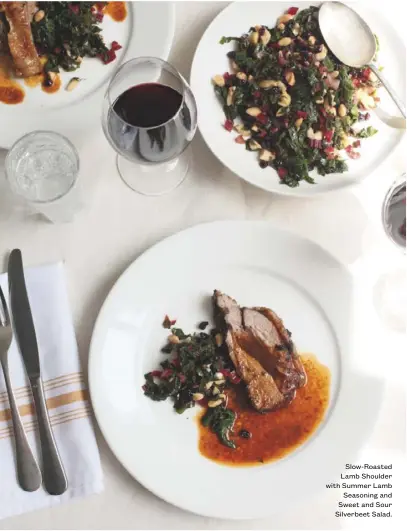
[196,370]
[66,32]
[292,101]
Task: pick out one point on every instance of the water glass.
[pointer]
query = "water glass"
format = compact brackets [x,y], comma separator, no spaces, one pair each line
[42,169]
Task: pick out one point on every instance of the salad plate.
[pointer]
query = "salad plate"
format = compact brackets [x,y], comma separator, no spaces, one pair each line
[74,113]
[236,20]
[260,265]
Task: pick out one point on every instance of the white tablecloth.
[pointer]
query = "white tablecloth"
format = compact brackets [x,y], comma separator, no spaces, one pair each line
[118,225]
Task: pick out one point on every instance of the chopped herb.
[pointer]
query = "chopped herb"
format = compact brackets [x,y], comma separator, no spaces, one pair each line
[366,132]
[220,420]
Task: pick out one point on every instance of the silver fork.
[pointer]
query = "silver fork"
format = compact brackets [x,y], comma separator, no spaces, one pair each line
[28,473]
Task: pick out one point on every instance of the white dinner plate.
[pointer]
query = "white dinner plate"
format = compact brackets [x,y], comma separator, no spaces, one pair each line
[259,266]
[148,30]
[235,20]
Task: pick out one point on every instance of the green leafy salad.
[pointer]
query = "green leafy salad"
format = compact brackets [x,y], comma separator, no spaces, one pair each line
[292,101]
[197,370]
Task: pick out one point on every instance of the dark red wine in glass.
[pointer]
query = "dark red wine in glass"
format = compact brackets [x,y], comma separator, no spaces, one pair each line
[149,122]
[149,118]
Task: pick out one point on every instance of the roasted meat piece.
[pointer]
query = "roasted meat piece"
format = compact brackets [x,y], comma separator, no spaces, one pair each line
[261,349]
[20,39]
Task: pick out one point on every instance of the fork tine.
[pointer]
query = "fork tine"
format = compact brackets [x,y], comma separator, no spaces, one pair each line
[4,315]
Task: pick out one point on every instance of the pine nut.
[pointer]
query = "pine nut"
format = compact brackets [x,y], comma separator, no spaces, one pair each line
[218,80]
[39,15]
[198,396]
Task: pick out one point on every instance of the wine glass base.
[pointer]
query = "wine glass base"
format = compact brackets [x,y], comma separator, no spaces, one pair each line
[154,179]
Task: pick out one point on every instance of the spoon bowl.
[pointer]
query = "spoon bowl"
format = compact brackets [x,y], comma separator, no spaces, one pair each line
[347,35]
[352,41]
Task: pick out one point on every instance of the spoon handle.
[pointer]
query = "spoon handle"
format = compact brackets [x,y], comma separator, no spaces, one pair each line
[389,89]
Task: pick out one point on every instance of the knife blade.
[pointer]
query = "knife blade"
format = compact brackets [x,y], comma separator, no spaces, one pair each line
[54,477]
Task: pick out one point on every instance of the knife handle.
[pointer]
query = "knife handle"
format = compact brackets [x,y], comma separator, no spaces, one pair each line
[54,477]
[28,473]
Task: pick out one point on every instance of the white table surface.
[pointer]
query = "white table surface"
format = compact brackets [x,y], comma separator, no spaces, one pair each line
[117,225]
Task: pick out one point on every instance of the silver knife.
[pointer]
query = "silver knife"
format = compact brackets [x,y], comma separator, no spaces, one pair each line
[54,477]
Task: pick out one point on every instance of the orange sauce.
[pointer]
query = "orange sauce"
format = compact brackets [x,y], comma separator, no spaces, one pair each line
[274,434]
[11,92]
[34,81]
[56,85]
[116,10]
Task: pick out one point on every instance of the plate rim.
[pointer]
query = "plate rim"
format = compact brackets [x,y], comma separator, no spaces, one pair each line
[285,190]
[93,367]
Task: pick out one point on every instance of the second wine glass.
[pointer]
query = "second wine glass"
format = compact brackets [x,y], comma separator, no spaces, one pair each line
[150,118]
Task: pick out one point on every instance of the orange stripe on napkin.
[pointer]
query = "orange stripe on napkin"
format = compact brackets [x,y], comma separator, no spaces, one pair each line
[52,403]
[23,392]
[62,418]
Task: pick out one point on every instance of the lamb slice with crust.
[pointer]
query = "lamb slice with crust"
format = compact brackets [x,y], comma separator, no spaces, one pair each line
[20,39]
[280,356]
[262,352]
[262,389]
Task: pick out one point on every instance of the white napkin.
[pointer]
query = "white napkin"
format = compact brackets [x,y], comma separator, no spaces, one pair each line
[66,394]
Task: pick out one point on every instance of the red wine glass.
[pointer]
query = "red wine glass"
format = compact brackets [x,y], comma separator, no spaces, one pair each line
[150,118]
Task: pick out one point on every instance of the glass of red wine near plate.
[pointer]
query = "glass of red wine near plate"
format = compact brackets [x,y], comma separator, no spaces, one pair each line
[150,118]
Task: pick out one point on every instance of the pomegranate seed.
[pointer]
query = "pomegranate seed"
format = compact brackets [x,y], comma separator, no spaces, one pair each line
[228,125]
[367,116]
[57,50]
[262,134]
[262,118]
[175,362]
[329,149]
[144,387]
[348,149]
[282,172]
[302,114]
[99,17]
[226,76]
[74,8]
[240,140]
[235,379]
[166,373]
[292,10]
[257,94]
[182,377]
[274,129]
[116,46]
[156,374]
[328,135]
[356,144]
[354,155]
[366,73]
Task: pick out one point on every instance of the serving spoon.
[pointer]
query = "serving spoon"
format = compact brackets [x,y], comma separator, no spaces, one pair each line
[352,41]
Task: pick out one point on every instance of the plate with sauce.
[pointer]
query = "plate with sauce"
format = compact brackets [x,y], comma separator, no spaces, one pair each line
[33,103]
[282,457]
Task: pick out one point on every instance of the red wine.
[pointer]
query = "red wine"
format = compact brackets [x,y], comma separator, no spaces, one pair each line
[148,105]
[149,122]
